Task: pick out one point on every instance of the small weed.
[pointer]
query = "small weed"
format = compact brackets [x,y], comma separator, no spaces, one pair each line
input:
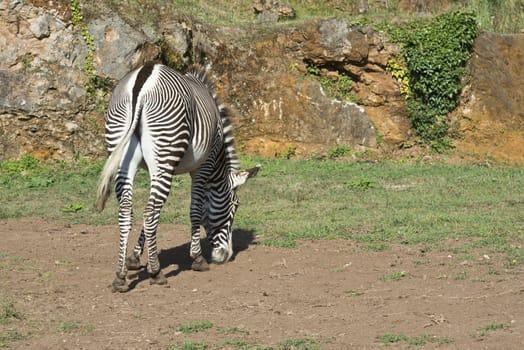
[19,166]
[72,208]
[422,262]
[17,259]
[376,247]
[461,276]
[484,330]
[339,151]
[231,330]
[187,346]
[8,311]
[73,327]
[234,343]
[361,183]
[194,327]
[11,336]
[170,57]
[395,276]
[392,338]
[338,87]
[298,344]
[353,293]
[288,153]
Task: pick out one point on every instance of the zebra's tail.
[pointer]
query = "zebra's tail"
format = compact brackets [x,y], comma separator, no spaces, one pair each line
[111,167]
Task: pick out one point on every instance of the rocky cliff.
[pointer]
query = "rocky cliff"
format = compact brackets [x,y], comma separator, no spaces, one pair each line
[491,114]
[265,76]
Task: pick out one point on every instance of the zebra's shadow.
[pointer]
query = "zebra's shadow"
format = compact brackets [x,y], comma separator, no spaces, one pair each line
[179,256]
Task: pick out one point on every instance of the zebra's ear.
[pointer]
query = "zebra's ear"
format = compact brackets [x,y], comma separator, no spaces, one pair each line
[241,177]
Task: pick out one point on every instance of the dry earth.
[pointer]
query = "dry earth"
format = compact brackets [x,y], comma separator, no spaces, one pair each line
[336,292]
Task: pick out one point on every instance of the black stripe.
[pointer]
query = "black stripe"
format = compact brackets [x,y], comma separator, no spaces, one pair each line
[141,78]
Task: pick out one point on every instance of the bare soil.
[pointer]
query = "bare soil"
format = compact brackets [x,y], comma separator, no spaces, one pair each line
[343,296]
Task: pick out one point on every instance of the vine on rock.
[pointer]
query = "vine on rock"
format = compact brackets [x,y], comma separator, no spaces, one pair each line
[435,54]
[96,86]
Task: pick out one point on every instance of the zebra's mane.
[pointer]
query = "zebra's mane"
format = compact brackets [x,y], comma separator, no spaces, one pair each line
[200,73]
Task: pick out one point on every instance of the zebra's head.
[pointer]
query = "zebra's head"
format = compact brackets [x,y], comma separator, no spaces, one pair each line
[220,207]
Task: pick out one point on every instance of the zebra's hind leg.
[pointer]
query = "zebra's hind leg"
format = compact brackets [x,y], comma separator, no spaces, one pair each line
[160,187]
[133,261]
[124,194]
[125,218]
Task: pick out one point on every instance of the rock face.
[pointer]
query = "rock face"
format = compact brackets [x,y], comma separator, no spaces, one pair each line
[44,109]
[491,115]
[40,82]
[279,107]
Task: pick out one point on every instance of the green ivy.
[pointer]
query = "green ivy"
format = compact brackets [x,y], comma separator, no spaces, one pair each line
[94,84]
[170,57]
[435,53]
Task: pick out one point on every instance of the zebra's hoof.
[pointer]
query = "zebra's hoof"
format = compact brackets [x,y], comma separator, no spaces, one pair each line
[200,264]
[158,278]
[119,285]
[133,263]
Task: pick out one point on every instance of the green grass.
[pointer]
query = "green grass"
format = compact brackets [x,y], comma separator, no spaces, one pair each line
[494,15]
[187,346]
[8,310]
[75,327]
[7,337]
[376,204]
[393,338]
[231,338]
[492,327]
[194,327]
[395,276]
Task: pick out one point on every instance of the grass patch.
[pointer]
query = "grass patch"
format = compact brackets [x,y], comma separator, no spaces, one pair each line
[485,330]
[393,338]
[395,276]
[187,346]
[232,338]
[232,330]
[299,344]
[376,247]
[8,311]
[10,336]
[194,327]
[75,327]
[495,15]
[461,276]
[375,204]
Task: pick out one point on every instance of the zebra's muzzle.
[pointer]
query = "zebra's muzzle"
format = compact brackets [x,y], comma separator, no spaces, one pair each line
[220,255]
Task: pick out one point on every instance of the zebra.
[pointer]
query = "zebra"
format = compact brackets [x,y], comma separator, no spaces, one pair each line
[171,123]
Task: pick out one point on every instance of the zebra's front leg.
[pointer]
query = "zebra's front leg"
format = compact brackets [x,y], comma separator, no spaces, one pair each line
[195,214]
[199,262]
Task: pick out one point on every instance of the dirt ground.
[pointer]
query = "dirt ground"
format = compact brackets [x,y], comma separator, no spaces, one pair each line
[343,296]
